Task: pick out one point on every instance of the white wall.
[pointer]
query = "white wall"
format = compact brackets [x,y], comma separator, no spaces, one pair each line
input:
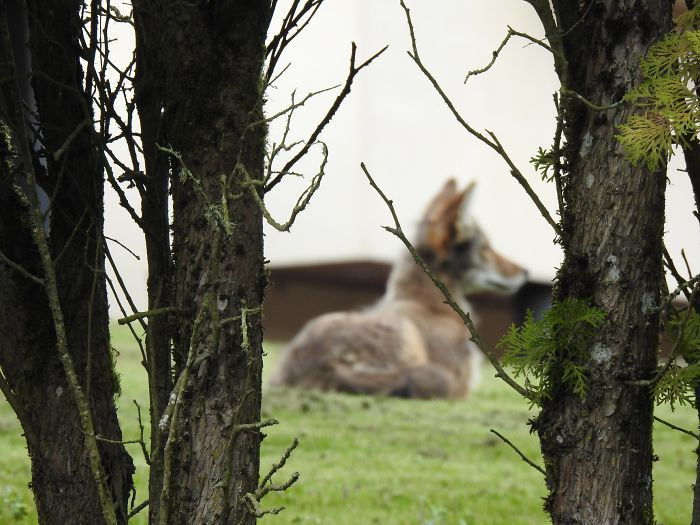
[395,122]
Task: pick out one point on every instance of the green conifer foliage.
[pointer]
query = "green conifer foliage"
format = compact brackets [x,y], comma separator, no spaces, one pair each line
[562,338]
[672,108]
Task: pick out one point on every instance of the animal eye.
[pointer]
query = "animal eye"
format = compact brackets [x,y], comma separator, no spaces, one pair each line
[463,247]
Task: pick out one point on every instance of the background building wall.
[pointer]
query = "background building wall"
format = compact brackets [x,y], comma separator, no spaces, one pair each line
[395,122]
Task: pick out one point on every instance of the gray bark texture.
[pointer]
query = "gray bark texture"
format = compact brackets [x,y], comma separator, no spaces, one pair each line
[210,58]
[62,481]
[598,450]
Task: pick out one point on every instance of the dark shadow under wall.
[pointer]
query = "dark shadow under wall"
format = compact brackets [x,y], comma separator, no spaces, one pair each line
[299,293]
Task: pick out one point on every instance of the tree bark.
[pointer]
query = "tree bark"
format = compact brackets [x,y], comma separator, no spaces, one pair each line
[62,480]
[153,187]
[692,163]
[598,450]
[212,57]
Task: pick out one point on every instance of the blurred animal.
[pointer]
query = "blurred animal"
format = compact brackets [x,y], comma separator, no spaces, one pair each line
[410,344]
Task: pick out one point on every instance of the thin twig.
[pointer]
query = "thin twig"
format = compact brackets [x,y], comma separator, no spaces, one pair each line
[285,35]
[148,313]
[97,271]
[277,467]
[256,510]
[687,264]
[580,19]
[674,349]
[123,287]
[266,486]
[668,260]
[72,235]
[302,201]
[354,70]
[449,300]
[74,134]
[139,342]
[113,441]
[517,450]
[123,246]
[123,199]
[293,106]
[554,35]
[138,508]
[493,143]
[682,287]
[516,173]
[146,457]
[588,103]
[556,154]
[21,269]
[511,33]
[679,429]
[248,311]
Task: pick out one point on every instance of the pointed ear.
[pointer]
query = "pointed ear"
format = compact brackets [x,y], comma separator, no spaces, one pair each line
[437,206]
[448,190]
[439,225]
[467,201]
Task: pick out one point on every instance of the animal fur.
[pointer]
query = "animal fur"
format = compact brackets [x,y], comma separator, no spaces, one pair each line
[409,344]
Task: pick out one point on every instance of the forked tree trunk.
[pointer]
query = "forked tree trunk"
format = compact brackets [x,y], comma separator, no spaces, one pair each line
[211,57]
[62,480]
[598,450]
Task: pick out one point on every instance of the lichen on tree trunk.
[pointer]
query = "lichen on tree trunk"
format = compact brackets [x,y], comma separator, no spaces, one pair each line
[63,480]
[213,70]
[598,450]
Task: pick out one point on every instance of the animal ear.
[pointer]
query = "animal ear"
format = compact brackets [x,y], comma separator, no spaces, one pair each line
[467,199]
[439,225]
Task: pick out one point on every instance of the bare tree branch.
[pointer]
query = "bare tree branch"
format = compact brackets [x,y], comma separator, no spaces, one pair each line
[354,70]
[517,451]
[292,20]
[493,143]
[21,269]
[511,33]
[679,429]
[146,314]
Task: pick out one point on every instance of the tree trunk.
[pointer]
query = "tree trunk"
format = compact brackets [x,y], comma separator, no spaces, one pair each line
[692,164]
[212,57]
[691,153]
[598,450]
[695,517]
[150,100]
[62,480]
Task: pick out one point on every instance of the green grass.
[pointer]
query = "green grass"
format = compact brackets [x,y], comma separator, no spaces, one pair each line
[386,461]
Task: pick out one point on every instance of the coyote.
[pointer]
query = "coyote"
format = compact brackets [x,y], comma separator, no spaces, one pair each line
[409,344]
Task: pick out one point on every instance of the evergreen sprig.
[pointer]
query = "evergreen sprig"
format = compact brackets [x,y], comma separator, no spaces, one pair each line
[543,161]
[677,384]
[560,340]
[672,109]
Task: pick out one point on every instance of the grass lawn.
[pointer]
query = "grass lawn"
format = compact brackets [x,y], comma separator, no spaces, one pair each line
[367,460]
